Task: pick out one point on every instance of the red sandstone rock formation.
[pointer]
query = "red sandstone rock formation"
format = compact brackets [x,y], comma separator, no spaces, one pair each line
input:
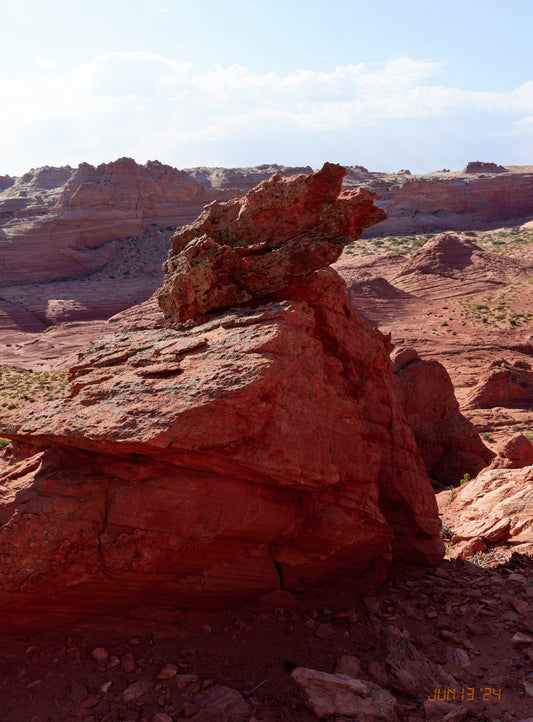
[479,196]
[96,224]
[58,224]
[256,447]
[515,453]
[448,258]
[247,250]
[503,384]
[496,506]
[449,443]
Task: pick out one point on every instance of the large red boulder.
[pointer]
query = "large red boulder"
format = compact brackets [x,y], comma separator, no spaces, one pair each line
[450,444]
[259,447]
[503,384]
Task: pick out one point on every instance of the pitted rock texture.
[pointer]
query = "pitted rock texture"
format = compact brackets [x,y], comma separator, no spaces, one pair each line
[248,249]
[260,448]
[449,443]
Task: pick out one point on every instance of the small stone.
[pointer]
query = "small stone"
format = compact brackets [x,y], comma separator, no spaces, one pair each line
[105,687]
[473,546]
[91,701]
[348,665]
[207,628]
[190,709]
[225,699]
[168,671]
[324,631]
[161,717]
[329,695]
[459,657]
[78,692]
[184,680]
[128,663]
[458,714]
[113,662]
[520,638]
[100,654]
[528,687]
[519,605]
[310,624]
[136,690]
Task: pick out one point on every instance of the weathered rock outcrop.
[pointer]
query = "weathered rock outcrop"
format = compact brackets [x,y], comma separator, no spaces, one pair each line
[449,443]
[514,453]
[93,224]
[66,224]
[448,258]
[503,384]
[246,250]
[259,446]
[495,506]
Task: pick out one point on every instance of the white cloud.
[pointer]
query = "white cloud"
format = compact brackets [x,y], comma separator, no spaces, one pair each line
[146,106]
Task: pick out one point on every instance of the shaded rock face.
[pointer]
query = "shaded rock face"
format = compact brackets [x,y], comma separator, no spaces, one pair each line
[259,447]
[449,443]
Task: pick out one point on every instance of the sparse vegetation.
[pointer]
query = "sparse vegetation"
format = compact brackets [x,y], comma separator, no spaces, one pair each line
[466,478]
[499,311]
[21,386]
[504,241]
[4,443]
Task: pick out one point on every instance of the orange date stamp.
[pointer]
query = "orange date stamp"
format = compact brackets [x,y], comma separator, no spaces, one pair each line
[465,694]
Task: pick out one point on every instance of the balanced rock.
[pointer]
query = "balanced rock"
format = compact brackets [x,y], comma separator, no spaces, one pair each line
[252,247]
[256,448]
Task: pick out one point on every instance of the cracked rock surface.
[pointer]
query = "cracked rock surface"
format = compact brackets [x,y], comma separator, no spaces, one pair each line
[248,449]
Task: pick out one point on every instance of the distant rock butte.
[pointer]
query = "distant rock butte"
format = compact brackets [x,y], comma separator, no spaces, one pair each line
[242,450]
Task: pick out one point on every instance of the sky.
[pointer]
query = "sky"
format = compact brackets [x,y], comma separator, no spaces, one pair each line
[415,84]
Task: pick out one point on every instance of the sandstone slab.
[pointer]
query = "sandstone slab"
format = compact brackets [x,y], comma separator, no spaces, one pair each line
[328,695]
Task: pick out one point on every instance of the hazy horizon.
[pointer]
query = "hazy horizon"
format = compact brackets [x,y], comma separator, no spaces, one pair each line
[240,84]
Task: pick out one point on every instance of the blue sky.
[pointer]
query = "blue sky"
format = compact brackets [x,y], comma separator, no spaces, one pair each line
[388,85]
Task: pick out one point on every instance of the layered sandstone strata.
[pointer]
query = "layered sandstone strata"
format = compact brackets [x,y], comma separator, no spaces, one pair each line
[256,443]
